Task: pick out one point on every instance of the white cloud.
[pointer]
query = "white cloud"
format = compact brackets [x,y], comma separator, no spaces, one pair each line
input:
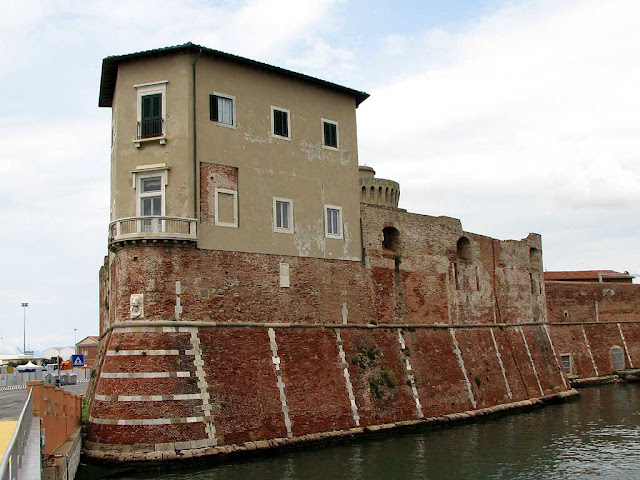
[528,124]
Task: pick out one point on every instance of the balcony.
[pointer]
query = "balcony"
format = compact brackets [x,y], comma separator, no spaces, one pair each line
[154,229]
[150,128]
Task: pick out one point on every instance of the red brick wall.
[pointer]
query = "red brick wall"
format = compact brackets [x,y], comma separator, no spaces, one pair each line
[246,393]
[242,384]
[616,302]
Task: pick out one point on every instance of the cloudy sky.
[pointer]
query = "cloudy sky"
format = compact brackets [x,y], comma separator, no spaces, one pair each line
[515,116]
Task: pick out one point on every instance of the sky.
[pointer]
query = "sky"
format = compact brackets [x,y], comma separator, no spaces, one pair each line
[514,116]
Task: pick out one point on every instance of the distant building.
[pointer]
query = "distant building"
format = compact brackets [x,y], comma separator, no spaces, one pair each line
[15,357]
[601,276]
[88,347]
[63,352]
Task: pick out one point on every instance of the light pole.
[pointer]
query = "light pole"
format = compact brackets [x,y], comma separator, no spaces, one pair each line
[24,327]
[75,340]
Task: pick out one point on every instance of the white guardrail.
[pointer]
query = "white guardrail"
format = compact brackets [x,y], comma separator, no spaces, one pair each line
[14,459]
[153,227]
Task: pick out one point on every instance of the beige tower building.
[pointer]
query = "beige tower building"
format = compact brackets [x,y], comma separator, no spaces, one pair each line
[232,154]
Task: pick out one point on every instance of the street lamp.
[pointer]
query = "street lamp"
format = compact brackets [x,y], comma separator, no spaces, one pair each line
[75,340]
[24,327]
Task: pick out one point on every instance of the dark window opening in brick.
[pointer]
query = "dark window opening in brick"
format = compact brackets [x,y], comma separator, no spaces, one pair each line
[464,249]
[280,123]
[391,239]
[330,134]
[150,116]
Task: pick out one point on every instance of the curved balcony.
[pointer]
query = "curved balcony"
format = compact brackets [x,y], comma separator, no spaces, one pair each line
[153,229]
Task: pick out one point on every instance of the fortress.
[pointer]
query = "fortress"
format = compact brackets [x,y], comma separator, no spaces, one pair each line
[262,289]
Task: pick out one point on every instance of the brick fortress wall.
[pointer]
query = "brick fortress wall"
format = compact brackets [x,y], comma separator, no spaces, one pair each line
[589,319]
[425,326]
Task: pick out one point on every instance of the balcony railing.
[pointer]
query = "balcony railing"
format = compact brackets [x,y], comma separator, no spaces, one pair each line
[153,228]
[150,128]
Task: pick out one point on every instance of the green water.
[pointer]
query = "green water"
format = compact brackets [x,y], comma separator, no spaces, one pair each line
[596,437]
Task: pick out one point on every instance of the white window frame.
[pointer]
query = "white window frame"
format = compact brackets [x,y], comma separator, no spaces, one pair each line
[324,145]
[326,222]
[273,134]
[151,89]
[217,222]
[277,229]
[139,177]
[571,365]
[233,110]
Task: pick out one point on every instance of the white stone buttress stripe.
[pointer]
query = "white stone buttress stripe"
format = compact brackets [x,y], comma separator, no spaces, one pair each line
[148,398]
[553,349]
[276,363]
[347,379]
[410,375]
[113,353]
[586,342]
[624,342]
[504,373]
[456,350]
[145,421]
[145,374]
[533,365]
[209,426]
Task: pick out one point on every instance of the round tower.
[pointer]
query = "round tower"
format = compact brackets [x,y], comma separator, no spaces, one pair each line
[378,191]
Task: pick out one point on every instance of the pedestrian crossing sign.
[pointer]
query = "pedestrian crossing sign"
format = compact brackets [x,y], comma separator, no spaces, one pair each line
[77,360]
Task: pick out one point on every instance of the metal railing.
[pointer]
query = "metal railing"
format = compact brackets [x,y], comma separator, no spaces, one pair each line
[153,227]
[150,128]
[13,459]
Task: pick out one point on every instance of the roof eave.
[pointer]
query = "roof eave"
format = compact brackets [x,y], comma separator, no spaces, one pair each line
[110,71]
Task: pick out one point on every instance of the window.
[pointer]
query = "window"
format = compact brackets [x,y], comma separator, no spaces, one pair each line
[150,203]
[226,208]
[567,363]
[463,249]
[222,109]
[282,215]
[333,221]
[329,134]
[85,352]
[280,124]
[617,357]
[151,110]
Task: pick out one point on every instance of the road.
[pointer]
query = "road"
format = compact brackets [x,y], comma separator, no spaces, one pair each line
[12,401]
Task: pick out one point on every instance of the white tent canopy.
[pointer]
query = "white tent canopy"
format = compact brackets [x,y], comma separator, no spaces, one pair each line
[29,366]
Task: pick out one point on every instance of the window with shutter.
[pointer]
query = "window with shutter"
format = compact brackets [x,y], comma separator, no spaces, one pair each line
[222,109]
[151,116]
[280,122]
[329,134]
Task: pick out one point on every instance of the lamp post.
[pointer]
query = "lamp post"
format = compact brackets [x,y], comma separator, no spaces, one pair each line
[75,340]
[24,327]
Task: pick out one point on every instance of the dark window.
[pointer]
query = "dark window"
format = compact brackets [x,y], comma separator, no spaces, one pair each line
[464,249]
[280,123]
[151,116]
[330,134]
[221,109]
[390,239]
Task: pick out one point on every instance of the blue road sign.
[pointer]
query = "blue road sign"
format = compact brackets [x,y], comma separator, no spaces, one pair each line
[77,360]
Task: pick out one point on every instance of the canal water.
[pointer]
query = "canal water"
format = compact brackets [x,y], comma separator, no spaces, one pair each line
[595,437]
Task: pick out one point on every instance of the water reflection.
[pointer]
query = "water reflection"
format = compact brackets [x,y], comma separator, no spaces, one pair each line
[596,437]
